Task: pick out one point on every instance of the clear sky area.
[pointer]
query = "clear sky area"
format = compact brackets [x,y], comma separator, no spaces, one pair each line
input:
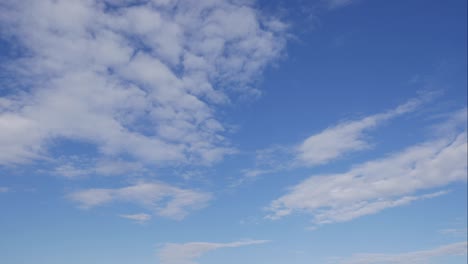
[233,132]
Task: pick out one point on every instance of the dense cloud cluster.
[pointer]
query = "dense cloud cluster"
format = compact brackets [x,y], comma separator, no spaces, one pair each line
[143,78]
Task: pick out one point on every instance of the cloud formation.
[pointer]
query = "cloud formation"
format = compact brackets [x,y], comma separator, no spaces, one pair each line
[328,145]
[188,253]
[143,78]
[139,218]
[416,257]
[163,199]
[346,137]
[73,168]
[332,4]
[382,183]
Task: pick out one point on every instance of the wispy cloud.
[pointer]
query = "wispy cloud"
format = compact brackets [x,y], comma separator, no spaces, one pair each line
[138,78]
[4,189]
[333,4]
[346,137]
[454,231]
[189,252]
[139,218]
[74,168]
[378,184]
[328,145]
[267,161]
[416,257]
[163,199]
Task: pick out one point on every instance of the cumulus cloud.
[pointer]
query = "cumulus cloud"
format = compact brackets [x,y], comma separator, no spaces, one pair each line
[188,253]
[143,78]
[378,184]
[416,257]
[163,199]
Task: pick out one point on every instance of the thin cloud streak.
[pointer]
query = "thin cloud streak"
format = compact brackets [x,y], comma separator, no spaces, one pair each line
[416,257]
[139,218]
[188,253]
[343,138]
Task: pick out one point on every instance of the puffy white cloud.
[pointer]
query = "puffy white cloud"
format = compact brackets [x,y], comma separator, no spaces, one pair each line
[143,78]
[416,257]
[188,253]
[383,183]
[163,199]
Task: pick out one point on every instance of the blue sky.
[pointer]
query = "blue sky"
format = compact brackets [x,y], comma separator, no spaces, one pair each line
[218,131]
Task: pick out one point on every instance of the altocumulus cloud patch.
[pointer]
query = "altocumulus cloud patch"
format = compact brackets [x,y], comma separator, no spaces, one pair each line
[143,78]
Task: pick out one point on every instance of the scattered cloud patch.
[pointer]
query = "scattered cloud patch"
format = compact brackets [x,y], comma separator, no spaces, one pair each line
[378,184]
[163,199]
[416,257]
[328,145]
[188,253]
[4,189]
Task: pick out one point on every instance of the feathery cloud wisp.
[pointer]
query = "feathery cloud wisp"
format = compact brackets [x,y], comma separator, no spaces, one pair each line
[139,218]
[163,199]
[416,257]
[383,183]
[346,137]
[189,252]
[328,145]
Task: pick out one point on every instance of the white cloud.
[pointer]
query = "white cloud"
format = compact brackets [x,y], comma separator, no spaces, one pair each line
[267,161]
[345,137]
[117,167]
[139,218]
[76,167]
[189,252]
[328,145]
[416,257]
[4,189]
[383,183]
[163,199]
[338,3]
[141,79]
[70,171]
